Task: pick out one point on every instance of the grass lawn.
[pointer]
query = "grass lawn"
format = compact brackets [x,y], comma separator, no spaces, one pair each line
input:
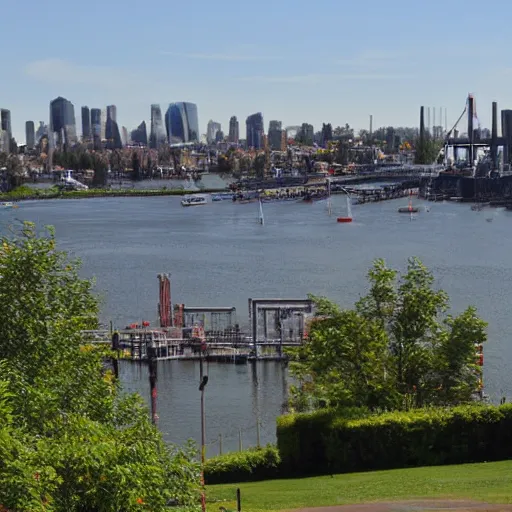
[490,482]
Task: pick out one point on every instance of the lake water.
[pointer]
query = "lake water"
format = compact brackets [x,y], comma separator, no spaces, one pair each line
[219,255]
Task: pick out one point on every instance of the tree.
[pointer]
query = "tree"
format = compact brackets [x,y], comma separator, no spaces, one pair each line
[427,150]
[259,166]
[69,439]
[14,171]
[136,172]
[394,350]
[326,133]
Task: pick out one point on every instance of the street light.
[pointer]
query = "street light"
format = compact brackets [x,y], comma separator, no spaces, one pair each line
[203,380]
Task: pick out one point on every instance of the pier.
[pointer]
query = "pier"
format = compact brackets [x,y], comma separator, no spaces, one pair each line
[211,333]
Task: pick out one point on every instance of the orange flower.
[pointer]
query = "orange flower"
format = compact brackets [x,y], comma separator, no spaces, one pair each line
[140,501]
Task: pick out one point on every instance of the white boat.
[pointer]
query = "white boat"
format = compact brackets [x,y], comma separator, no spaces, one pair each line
[194,200]
[8,204]
[69,183]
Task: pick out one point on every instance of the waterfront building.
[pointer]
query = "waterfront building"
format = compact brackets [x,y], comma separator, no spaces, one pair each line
[30,134]
[255,131]
[181,123]
[112,132]
[157,137]
[275,135]
[233,136]
[96,127]
[211,131]
[62,122]
[86,124]
[140,134]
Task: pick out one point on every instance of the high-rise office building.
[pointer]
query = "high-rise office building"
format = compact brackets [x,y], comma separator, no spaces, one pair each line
[255,131]
[181,122]
[103,124]
[158,136]
[30,134]
[42,130]
[96,127]
[5,121]
[140,134]
[86,124]
[112,132]
[62,122]
[211,131]
[275,135]
[124,136]
[233,130]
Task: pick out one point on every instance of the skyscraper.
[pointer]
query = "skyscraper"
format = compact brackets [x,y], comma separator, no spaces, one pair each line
[30,134]
[96,127]
[233,130]
[62,122]
[5,120]
[140,134]
[255,131]
[42,129]
[181,122]
[157,137]
[112,132]
[103,124]
[86,124]
[275,135]
[124,136]
[211,131]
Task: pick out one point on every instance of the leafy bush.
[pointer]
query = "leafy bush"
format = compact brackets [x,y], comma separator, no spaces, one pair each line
[325,443]
[246,466]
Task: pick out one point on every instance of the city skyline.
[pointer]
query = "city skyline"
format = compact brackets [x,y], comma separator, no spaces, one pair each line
[386,60]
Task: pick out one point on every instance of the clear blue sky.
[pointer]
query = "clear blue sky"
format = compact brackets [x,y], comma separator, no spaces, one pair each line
[295,61]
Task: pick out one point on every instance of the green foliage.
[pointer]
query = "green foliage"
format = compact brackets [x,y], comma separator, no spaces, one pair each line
[69,440]
[393,351]
[324,442]
[427,150]
[25,192]
[246,466]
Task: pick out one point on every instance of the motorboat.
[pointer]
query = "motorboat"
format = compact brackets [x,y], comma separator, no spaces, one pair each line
[223,196]
[194,200]
[8,204]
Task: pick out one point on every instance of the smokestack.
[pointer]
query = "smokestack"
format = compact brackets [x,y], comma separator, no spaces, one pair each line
[428,119]
[445,119]
[471,132]
[371,126]
[422,123]
[494,136]
[434,122]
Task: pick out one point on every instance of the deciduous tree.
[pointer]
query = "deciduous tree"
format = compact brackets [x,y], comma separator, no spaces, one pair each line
[70,441]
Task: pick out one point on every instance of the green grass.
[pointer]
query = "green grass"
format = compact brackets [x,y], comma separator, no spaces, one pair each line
[26,193]
[489,482]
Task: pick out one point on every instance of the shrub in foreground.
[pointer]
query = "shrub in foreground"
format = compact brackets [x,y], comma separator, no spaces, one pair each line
[323,443]
[246,466]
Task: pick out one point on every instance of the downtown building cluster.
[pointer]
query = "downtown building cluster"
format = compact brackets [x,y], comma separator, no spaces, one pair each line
[177,124]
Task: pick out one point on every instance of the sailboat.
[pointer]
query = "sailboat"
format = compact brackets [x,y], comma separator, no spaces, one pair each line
[261,218]
[348,218]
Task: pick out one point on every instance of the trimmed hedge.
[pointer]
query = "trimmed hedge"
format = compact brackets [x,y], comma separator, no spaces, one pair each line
[323,443]
[247,466]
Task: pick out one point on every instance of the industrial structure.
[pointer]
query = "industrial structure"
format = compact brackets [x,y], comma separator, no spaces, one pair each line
[213,333]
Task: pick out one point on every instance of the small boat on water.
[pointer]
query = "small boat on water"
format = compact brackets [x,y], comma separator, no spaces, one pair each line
[8,204]
[194,200]
[223,196]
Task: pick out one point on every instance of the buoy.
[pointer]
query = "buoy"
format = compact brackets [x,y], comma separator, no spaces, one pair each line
[344,219]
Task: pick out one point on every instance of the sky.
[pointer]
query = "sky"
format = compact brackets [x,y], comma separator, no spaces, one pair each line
[294,61]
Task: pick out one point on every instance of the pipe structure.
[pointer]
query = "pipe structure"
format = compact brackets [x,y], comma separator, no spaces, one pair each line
[494,136]
[422,124]
[471,132]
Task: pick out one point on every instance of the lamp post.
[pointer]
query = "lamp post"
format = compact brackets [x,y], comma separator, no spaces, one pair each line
[203,380]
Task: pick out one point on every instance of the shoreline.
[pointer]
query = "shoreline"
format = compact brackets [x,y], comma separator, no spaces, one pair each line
[89,194]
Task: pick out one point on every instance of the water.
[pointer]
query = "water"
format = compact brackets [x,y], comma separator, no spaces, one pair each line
[220,255]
